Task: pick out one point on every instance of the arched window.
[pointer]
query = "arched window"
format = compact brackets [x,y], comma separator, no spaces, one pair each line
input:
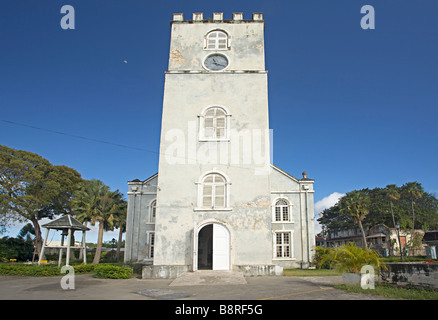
[152,211]
[282,211]
[214,124]
[216,40]
[213,192]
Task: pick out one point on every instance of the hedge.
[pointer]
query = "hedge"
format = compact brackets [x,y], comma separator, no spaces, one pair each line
[101,270]
[110,271]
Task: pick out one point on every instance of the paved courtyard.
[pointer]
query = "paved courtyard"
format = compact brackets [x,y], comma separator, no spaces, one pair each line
[199,286]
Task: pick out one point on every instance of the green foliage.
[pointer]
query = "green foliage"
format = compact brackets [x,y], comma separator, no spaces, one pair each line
[13,248]
[18,269]
[84,268]
[380,199]
[104,270]
[393,292]
[110,271]
[32,188]
[320,253]
[350,258]
[94,202]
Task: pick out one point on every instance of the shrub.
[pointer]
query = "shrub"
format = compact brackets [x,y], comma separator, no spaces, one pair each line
[350,258]
[320,253]
[29,270]
[84,268]
[109,271]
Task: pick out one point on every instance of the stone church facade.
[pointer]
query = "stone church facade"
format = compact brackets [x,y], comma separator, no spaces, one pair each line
[217,202]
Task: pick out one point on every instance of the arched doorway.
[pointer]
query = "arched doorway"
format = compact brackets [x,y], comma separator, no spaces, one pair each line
[213,246]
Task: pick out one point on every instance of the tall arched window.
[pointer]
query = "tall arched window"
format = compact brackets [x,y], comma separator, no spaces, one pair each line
[213,192]
[152,211]
[216,40]
[214,124]
[282,211]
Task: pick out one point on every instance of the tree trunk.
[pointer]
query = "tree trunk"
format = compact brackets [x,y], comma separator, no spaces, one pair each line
[364,239]
[119,243]
[38,237]
[99,244]
[413,218]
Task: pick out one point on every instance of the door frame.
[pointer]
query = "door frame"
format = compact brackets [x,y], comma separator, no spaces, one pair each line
[195,238]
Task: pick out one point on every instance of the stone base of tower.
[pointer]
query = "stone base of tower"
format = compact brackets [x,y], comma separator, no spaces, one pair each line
[172,272]
[260,270]
[163,272]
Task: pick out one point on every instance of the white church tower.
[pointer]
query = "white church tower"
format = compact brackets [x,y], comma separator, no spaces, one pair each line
[217,202]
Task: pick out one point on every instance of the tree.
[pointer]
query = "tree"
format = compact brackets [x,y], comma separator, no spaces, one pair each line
[387,206]
[392,193]
[95,202]
[356,205]
[413,191]
[120,223]
[32,188]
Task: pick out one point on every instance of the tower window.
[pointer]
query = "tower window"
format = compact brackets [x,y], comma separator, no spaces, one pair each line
[216,40]
[213,191]
[214,124]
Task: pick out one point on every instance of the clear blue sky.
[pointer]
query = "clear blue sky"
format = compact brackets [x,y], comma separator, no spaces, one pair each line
[354,108]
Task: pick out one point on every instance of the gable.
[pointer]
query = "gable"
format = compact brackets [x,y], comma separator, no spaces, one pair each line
[282,181]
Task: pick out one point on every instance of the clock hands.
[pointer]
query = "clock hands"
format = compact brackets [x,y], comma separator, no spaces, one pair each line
[218,63]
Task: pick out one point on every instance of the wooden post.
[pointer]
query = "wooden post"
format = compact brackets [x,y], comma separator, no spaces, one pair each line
[60,250]
[68,248]
[84,250]
[44,245]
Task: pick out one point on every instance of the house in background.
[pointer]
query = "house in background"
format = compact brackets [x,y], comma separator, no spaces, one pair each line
[430,239]
[379,238]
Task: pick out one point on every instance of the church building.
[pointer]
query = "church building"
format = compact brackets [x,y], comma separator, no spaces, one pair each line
[217,202]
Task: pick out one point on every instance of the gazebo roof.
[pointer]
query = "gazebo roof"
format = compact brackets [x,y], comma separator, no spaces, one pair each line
[65,222]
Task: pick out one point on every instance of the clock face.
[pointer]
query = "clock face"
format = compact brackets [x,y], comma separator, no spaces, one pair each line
[216,62]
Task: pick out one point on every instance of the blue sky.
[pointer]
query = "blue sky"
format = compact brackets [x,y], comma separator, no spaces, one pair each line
[354,108]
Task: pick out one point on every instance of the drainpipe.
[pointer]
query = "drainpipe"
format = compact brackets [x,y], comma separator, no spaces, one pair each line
[307,225]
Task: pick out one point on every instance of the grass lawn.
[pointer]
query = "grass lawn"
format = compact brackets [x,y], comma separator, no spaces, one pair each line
[393,292]
[310,272]
[380,290]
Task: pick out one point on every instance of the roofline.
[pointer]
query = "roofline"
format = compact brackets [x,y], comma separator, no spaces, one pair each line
[291,176]
[145,181]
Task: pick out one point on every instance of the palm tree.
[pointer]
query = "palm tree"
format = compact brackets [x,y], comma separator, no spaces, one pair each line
[27,232]
[95,202]
[413,191]
[82,207]
[356,205]
[120,223]
[392,193]
[350,258]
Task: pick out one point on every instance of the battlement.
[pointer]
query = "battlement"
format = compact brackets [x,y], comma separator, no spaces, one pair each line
[217,17]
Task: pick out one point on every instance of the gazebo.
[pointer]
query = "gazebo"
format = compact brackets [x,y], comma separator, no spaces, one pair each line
[68,225]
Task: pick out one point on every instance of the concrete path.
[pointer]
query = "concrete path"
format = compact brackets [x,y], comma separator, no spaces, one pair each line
[187,287]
